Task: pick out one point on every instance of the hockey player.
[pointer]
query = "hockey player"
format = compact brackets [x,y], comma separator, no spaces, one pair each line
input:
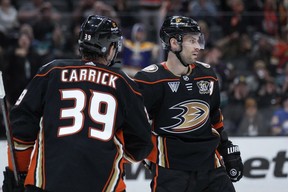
[75,115]
[182,98]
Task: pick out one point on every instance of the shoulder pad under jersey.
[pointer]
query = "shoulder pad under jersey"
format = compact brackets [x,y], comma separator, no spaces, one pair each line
[206,65]
[151,68]
[206,68]
[151,73]
[59,63]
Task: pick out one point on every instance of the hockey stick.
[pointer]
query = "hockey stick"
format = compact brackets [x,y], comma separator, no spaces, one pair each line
[7,127]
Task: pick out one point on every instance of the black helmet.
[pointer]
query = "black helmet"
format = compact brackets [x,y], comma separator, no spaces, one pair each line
[176,27]
[97,33]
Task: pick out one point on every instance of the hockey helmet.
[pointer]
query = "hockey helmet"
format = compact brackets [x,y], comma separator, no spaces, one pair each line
[97,33]
[176,27]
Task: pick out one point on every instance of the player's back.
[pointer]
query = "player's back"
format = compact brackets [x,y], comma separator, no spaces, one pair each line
[83,106]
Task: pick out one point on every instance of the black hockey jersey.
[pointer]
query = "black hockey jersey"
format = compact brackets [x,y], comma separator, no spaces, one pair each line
[183,111]
[72,110]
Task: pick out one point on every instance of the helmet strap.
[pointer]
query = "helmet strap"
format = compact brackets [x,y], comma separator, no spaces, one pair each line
[177,53]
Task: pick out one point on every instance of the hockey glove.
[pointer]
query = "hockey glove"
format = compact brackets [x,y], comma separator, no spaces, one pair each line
[232,160]
[9,183]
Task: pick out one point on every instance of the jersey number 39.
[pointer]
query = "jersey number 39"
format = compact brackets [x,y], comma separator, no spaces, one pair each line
[106,118]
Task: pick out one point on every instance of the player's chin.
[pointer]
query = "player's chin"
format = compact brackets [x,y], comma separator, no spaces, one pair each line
[193,59]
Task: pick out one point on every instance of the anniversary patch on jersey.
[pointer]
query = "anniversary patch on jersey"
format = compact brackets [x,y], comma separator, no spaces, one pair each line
[205,87]
[192,115]
[150,68]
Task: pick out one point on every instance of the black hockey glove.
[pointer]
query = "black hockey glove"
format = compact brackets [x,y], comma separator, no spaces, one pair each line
[9,183]
[232,160]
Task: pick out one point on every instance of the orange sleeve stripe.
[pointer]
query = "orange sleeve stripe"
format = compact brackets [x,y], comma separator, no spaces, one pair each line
[32,169]
[218,125]
[22,159]
[154,153]
[218,154]
[155,82]
[206,77]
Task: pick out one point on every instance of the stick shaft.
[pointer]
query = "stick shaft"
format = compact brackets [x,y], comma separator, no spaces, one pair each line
[7,128]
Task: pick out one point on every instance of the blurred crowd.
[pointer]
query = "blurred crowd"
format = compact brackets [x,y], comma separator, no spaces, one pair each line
[246,44]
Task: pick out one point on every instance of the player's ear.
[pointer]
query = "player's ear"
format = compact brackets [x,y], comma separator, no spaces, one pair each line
[111,52]
[174,44]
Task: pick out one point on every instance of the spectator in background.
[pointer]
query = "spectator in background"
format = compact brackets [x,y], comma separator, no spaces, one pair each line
[46,31]
[126,14]
[252,123]
[204,10]
[234,110]
[30,11]
[8,23]
[105,9]
[239,54]
[236,21]
[283,13]
[71,48]
[151,16]
[137,52]
[270,20]
[280,50]
[260,74]
[282,79]
[22,64]
[268,100]
[267,90]
[82,10]
[279,121]
[262,46]
[255,9]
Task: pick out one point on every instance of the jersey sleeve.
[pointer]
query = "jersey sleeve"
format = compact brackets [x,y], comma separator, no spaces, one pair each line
[25,122]
[216,114]
[136,128]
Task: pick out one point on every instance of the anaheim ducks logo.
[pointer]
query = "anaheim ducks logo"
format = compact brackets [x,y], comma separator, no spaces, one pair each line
[193,115]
